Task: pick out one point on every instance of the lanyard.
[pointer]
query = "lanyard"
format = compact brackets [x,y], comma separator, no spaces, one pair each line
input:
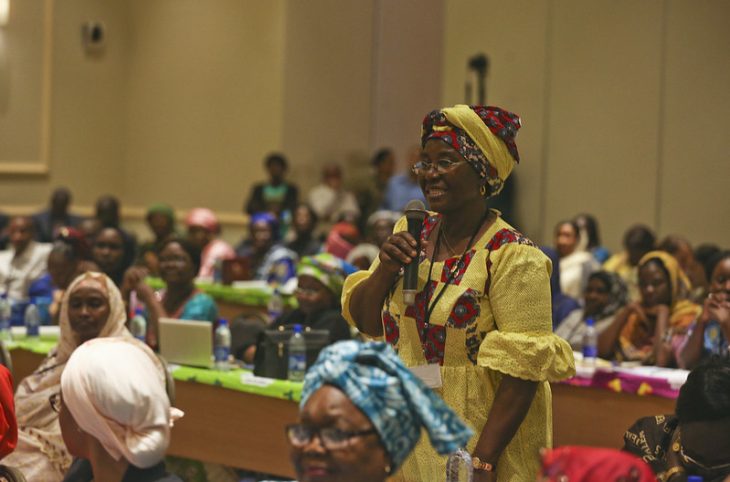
[452,272]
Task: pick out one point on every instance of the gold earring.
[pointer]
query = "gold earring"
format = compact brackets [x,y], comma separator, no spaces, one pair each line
[483,190]
[387,470]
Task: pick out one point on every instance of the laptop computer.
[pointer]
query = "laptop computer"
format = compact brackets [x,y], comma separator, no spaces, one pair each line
[236,269]
[187,342]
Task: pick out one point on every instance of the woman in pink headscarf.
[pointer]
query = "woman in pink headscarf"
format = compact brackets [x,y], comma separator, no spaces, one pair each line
[92,307]
[203,231]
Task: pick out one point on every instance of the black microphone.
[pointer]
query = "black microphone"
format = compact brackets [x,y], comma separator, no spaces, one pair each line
[415,214]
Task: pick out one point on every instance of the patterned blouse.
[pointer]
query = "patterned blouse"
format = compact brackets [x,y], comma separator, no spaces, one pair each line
[493,319]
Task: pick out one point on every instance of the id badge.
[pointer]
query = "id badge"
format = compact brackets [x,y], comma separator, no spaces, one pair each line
[429,374]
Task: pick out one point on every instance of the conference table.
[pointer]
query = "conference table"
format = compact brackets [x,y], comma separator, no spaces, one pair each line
[237,419]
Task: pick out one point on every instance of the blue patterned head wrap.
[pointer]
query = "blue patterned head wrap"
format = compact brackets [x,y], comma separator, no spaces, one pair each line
[396,402]
[269,219]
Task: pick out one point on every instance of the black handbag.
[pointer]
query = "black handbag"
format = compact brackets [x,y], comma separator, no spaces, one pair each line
[272,350]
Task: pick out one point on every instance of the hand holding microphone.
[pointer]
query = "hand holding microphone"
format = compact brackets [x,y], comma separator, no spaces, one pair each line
[401,249]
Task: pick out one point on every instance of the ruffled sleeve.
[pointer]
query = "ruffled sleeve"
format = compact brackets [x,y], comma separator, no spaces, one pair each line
[523,345]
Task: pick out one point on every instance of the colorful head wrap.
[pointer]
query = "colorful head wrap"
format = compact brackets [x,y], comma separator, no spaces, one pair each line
[397,403]
[327,269]
[483,135]
[8,424]
[679,283]
[162,209]
[268,219]
[589,464]
[342,239]
[122,405]
[204,218]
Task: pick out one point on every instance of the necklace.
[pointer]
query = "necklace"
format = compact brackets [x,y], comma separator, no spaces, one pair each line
[452,251]
[457,267]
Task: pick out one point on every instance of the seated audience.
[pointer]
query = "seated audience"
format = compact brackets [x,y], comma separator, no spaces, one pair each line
[271,261]
[370,196]
[161,221]
[590,240]
[331,201]
[591,464]
[90,227]
[107,213]
[379,226]
[92,307]
[48,222]
[603,297]
[575,264]
[342,238]
[695,440]
[203,230]
[368,412]
[652,330]
[8,423]
[179,263]
[114,413]
[562,305]
[303,241]
[276,195]
[319,287]
[705,255]
[638,240]
[710,333]
[69,258]
[111,254]
[24,262]
[4,221]
[682,251]
[403,188]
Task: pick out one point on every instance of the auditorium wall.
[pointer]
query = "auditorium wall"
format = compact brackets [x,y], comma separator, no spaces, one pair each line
[624,102]
[624,105]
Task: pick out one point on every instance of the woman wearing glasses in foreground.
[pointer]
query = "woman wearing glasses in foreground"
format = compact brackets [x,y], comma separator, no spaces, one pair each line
[482,322]
[362,412]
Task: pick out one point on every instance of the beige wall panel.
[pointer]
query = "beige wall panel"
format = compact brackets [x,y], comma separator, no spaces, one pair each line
[327,86]
[204,100]
[603,120]
[696,169]
[513,35]
[87,109]
[408,68]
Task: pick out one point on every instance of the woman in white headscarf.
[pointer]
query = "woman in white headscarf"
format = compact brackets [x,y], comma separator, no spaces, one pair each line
[91,307]
[116,416]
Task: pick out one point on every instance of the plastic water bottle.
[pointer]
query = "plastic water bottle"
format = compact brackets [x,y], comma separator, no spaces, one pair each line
[590,343]
[297,355]
[5,313]
[222,347]
[138,325]
[275,306]
[459,468]
[32,321]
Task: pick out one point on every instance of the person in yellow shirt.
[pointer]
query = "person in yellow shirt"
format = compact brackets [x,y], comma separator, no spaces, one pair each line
[481,324]
[638,240]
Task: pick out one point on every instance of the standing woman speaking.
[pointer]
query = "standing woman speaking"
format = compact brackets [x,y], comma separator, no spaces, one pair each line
[481,325]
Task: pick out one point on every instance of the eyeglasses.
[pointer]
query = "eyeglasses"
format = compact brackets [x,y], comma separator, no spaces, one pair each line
[331,438]
[442,165]
[55,401]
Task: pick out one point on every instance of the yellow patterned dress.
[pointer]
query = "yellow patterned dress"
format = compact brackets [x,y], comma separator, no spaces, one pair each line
[494,318]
